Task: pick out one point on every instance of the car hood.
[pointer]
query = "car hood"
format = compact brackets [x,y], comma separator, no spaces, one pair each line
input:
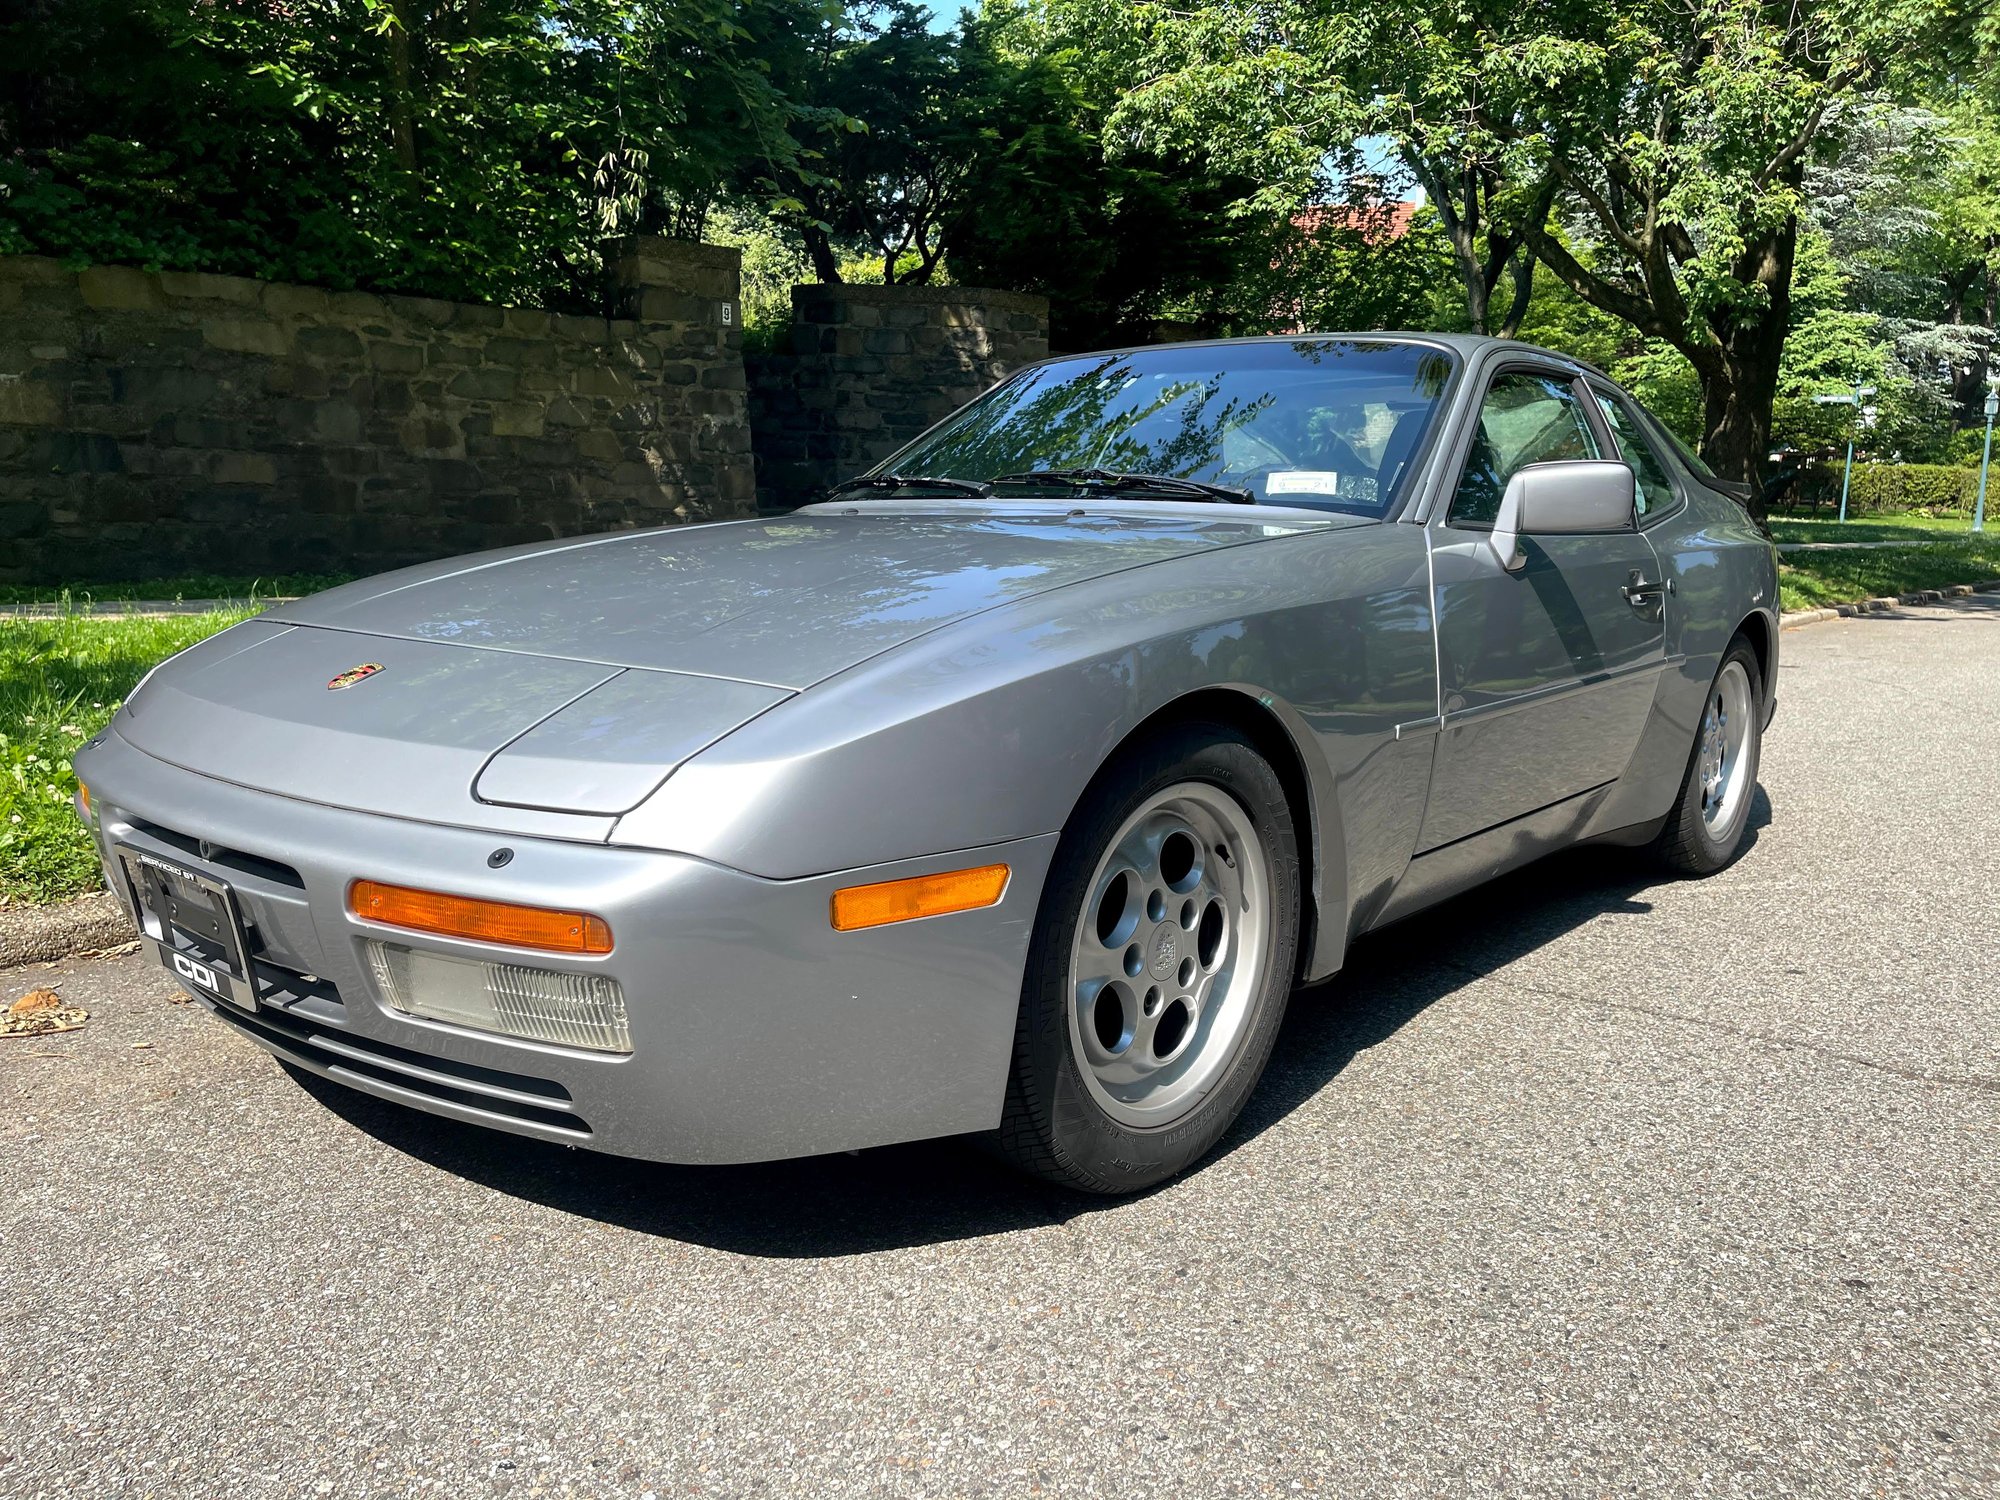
[785,601]
[519,689]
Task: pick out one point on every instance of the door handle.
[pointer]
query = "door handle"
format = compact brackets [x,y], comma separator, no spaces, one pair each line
[1636,590]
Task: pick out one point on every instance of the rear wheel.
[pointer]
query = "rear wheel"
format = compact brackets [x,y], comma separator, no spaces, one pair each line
[1705,830]
[1162,959]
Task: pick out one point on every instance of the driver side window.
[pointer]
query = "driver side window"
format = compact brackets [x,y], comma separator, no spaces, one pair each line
[1525,419]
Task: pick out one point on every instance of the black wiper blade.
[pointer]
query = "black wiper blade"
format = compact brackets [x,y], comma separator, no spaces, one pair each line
[912,482]
[1109,479]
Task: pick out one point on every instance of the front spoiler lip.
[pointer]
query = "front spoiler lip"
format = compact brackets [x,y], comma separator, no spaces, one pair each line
[345,1065]
[759,1032]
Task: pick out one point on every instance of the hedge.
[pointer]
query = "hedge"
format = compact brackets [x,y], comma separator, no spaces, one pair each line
[1884,488]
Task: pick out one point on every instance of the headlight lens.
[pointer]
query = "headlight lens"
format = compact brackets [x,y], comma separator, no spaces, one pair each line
[538,1005]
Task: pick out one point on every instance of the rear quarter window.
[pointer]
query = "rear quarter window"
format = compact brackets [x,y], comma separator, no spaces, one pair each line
[1654,488]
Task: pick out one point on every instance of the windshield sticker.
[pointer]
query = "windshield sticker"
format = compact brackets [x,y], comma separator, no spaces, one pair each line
[1303,482]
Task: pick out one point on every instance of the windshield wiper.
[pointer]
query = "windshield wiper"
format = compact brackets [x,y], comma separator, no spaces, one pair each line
[1111,480]
[912,482]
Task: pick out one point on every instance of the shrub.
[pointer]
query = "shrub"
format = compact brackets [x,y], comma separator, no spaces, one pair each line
[1894,488]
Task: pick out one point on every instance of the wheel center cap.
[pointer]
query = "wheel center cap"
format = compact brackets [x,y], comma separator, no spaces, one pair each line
[1166,951]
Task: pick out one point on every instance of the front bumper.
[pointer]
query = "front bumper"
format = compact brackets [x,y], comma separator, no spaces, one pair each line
[758,1031]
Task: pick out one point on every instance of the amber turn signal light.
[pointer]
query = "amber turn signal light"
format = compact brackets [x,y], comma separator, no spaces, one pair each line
[861,906]
[479,921]
[83,796]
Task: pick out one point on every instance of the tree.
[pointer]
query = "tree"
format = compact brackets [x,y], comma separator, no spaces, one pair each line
[1323,108]
[1120,239]
[1680,145]
[1911,208]
[891,108]
[1346,267]
[467,148]
[1651,154]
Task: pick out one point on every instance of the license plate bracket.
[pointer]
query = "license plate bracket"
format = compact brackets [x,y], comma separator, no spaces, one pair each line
[193,926]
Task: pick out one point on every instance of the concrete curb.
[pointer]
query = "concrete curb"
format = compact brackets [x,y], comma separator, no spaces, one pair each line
[43,934]
[1877,606]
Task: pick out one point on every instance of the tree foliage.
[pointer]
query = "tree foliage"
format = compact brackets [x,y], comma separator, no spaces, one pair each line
[981,154]
[1734,205]
[475,148]
[1651,154]
[1119,241]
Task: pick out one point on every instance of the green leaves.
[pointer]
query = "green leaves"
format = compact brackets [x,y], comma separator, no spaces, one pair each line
[1651,154]
[462,148]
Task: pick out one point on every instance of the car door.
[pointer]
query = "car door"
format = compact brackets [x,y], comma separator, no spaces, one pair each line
[1546,674]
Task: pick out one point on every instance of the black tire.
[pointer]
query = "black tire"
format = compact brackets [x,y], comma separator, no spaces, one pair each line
[1687,844]
[1052,1125]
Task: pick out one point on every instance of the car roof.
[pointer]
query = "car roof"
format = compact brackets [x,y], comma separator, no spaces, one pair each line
[1467,346]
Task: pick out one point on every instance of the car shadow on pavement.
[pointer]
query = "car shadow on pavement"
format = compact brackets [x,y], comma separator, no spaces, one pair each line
[894,1197]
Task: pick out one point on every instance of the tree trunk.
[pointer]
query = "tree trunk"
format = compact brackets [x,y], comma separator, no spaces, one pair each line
[402,104]
[1477,297]
[1736,431]
[1524,290]
[819,250]
[1461,230]
[1739,379]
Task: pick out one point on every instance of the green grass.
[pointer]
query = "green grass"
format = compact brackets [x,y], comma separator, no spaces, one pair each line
[1813,580]
[189,586]
[60,680]
[1878,529]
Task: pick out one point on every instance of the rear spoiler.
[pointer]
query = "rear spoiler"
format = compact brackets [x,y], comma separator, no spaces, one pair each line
[1742,494]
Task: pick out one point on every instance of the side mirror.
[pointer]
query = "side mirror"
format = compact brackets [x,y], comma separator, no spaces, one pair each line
[1577,496]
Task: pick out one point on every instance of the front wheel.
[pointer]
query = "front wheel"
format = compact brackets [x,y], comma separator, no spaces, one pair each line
[1705,830]
[1162,959]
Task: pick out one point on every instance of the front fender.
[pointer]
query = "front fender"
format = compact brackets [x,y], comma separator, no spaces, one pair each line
[992,729]
[995,724]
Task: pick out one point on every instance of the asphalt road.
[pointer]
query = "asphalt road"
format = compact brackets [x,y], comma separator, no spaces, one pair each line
[1589,1184]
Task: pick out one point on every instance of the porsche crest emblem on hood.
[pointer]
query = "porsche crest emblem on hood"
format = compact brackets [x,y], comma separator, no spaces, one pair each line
[353,675]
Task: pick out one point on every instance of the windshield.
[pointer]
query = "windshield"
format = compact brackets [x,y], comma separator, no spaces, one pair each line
[1326,423]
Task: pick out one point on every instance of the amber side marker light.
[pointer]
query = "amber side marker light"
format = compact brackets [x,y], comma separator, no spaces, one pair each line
[83,796]
[861,906]
[479,921]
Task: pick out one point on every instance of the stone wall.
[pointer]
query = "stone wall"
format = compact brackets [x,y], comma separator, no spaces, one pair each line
[162,423]
[866,368]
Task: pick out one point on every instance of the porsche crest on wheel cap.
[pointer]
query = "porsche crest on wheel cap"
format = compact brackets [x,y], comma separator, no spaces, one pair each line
[353,675]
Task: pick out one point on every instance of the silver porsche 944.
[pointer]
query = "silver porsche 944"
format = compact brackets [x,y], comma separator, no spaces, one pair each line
[1009,791]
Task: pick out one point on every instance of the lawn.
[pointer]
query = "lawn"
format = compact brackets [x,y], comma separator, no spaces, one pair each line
[1813,580]
[1878,529]
[60,680]
[190,586]
[1943,550]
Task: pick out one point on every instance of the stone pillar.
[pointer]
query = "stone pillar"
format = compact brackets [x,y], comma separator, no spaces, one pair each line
[674,281]
[866,368]
[686,299]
